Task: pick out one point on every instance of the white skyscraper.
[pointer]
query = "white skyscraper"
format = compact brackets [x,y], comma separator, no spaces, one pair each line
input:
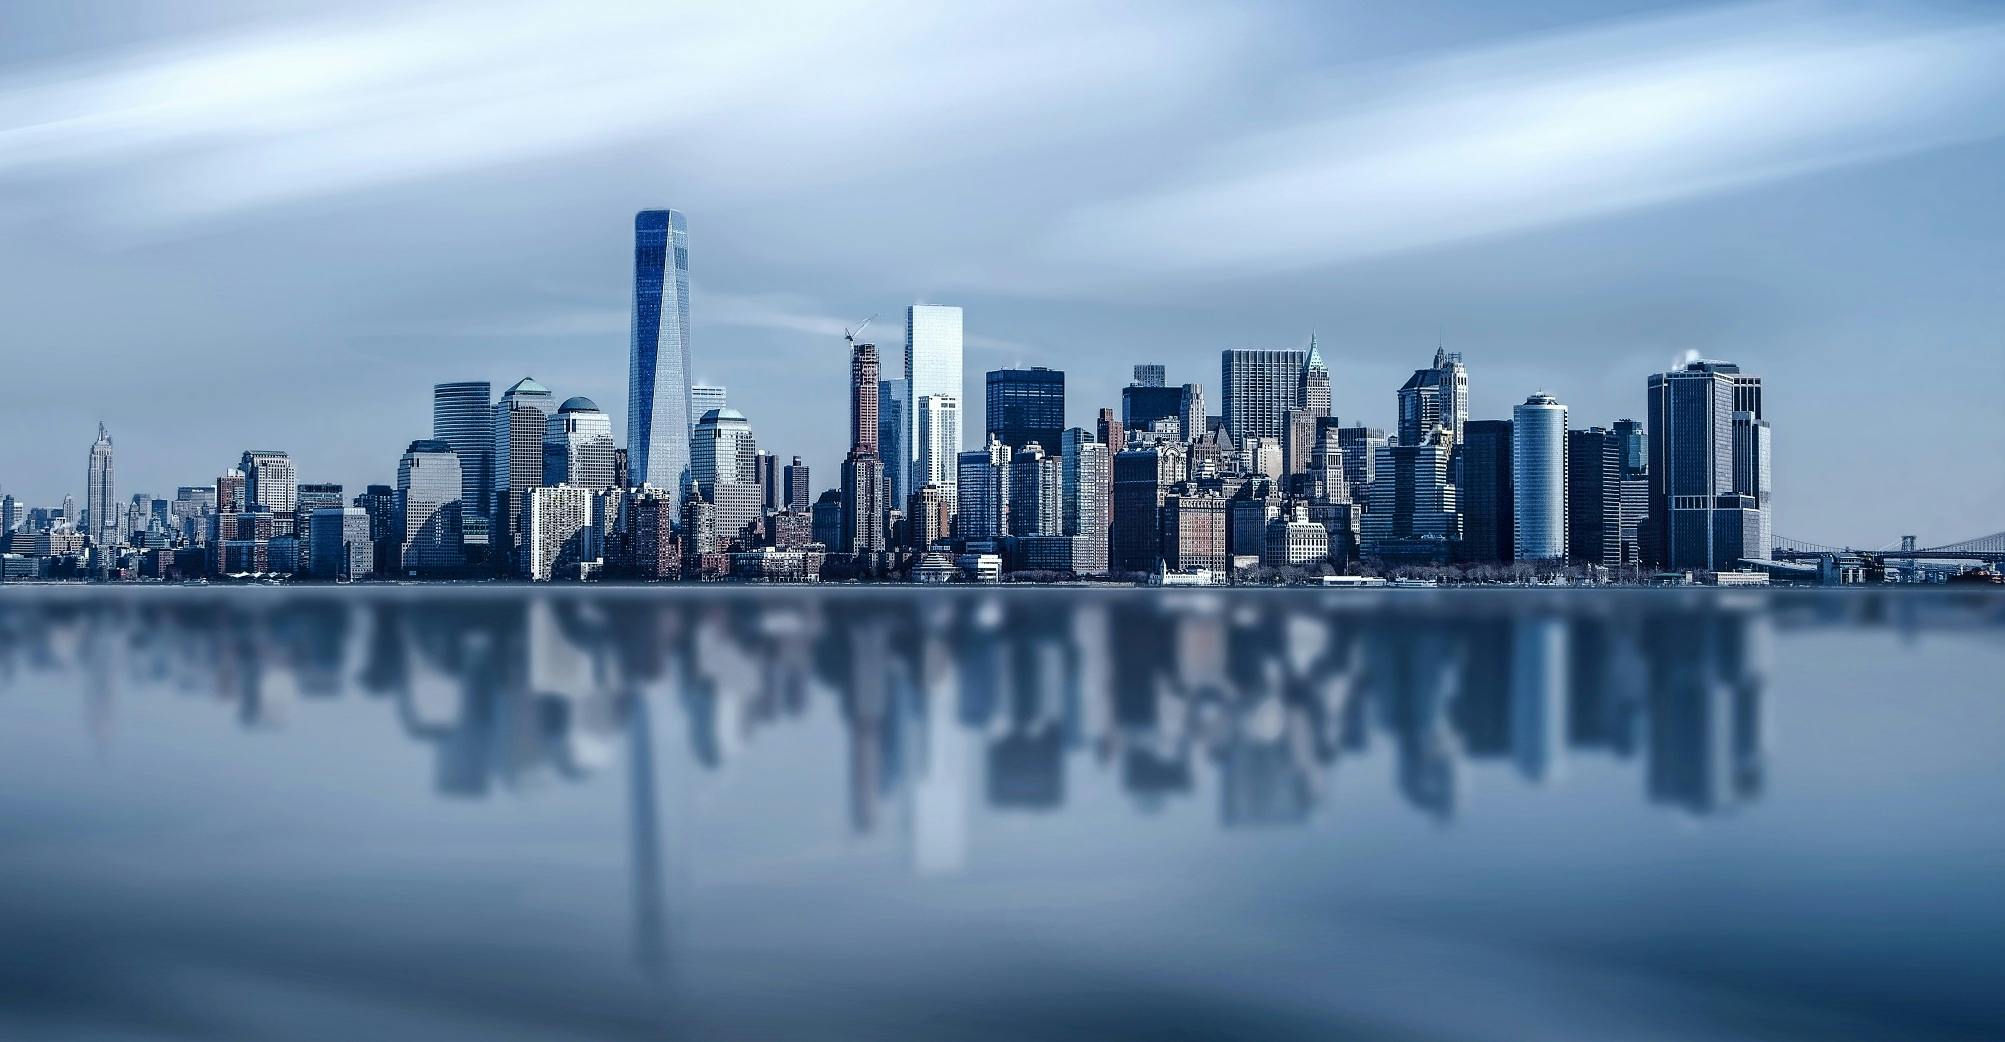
[428,503]
[939,442]
[578,446]
[932,367]
[560,530]
[1538,479]
[98,492]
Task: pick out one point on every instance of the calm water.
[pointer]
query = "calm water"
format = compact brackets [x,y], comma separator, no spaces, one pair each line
[728,813]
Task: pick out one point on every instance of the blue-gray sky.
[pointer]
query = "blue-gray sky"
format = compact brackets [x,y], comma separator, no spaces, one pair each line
[226,226]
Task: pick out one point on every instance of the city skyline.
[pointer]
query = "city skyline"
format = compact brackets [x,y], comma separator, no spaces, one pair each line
[1803,233]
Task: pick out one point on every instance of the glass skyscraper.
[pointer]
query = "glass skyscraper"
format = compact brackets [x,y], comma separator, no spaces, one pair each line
[1025,406]
[932,367]
[894,438]
[1538,479]
[463,417]
[1708,468]
[1258,387]
[659,419]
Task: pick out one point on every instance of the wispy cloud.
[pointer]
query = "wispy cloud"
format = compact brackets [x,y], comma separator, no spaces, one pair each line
[1532,133]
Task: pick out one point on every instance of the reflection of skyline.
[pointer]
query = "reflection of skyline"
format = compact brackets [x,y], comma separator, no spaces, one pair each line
[1258,697]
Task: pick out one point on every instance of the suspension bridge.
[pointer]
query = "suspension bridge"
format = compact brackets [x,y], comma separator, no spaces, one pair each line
[1989,549]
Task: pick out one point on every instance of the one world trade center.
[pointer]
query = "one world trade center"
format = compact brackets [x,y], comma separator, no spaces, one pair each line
[658,371]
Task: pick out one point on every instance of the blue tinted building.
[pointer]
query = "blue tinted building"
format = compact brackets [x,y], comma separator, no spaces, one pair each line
[658,397]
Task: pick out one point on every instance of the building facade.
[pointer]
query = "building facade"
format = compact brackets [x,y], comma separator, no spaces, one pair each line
[578,446]
[1258,387]
[431,538]
[1025,405]
[1488,508]
[463,417]
[1538,480]
[659,411]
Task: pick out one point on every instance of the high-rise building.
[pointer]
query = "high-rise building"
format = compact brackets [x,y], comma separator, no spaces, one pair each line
[428,491]
[724,460]
[863,386]
[339,543]
[463,417]
[1316,397]
[1437,396]
[578,446]
[1360,444]
[1412,509]
[1488,536]
[272,483]
[800,487]
[1143,476]
[702,399]
[1594,497]
[863,505]
[657,553]
[1708,468]
[1025,405]
[100,495]
[982,492]
[1630,450]
[659,411]
[932,367]
[939,432]
[521,421]
[1035,491]
[896,427]
[1295,541]
[1109,431]
[698,532]
[1258,388]
[1151,374]
[310,497]
[931,514]
[1538,479]
[1085,467]
[385,529]
[561,535]
[1193,531]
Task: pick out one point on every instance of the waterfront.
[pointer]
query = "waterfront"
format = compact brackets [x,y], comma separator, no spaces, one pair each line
[1006,813]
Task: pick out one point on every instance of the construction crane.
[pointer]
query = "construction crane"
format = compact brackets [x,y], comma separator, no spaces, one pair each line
[851,334]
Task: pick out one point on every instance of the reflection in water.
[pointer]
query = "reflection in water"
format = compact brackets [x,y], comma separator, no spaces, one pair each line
[1257,697]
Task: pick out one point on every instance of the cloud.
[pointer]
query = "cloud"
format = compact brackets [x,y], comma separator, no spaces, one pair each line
[1504,138]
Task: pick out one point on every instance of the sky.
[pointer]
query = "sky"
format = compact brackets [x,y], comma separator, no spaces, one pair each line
[277,224]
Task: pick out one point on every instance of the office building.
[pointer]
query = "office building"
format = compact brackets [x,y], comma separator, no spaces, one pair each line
[981,492]
[723,451]
[1411,514]
[659,411]
[1538,480]
[1437,396]
[932,367]
[896,427]
[560,534]
[1360,445]
[100,495]
[1258,388]
[578,446]
[272,483]
[657,554]
[1144,474]
[702,399]
[1084,467]
[1035,489]
[1295,541]
[1594,497]
[431,539]
[1246,516]
[863,506]
[825,518]
[800,487]
[1149,375]
[1488,521]
[1025,405]
[339,545]
[1707,468]
[463,417]
[766,470]
[521,420]
[1194,531]
[1630,448]
[939,432]
[863,427]
[930,513]
[1316,398]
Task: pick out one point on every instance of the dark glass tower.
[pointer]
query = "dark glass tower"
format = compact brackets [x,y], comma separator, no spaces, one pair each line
[658,405]
[463,417]
[1026,405]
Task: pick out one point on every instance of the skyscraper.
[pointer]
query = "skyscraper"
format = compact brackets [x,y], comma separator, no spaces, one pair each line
[863,505]
[428,491]
[1538,479]
[463,417]
[724,464]
[100,494]
[578,446]
[895,430]
[1149,374]
[1360,444]
[1142,405]
[1025,405]
[1143,477]
[1316,397]
[863,389]
[1594,497]
[1035,488]
[982,492]
[339,544]
[1412,514]
[1258,388]
[932,367]
[939,431]
[521,419]
[659,414]
[272,483]
[1488,535]
[560,532]
[702,399]
[1084,470]
[1435,396]
[800,487]
[1708,468]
